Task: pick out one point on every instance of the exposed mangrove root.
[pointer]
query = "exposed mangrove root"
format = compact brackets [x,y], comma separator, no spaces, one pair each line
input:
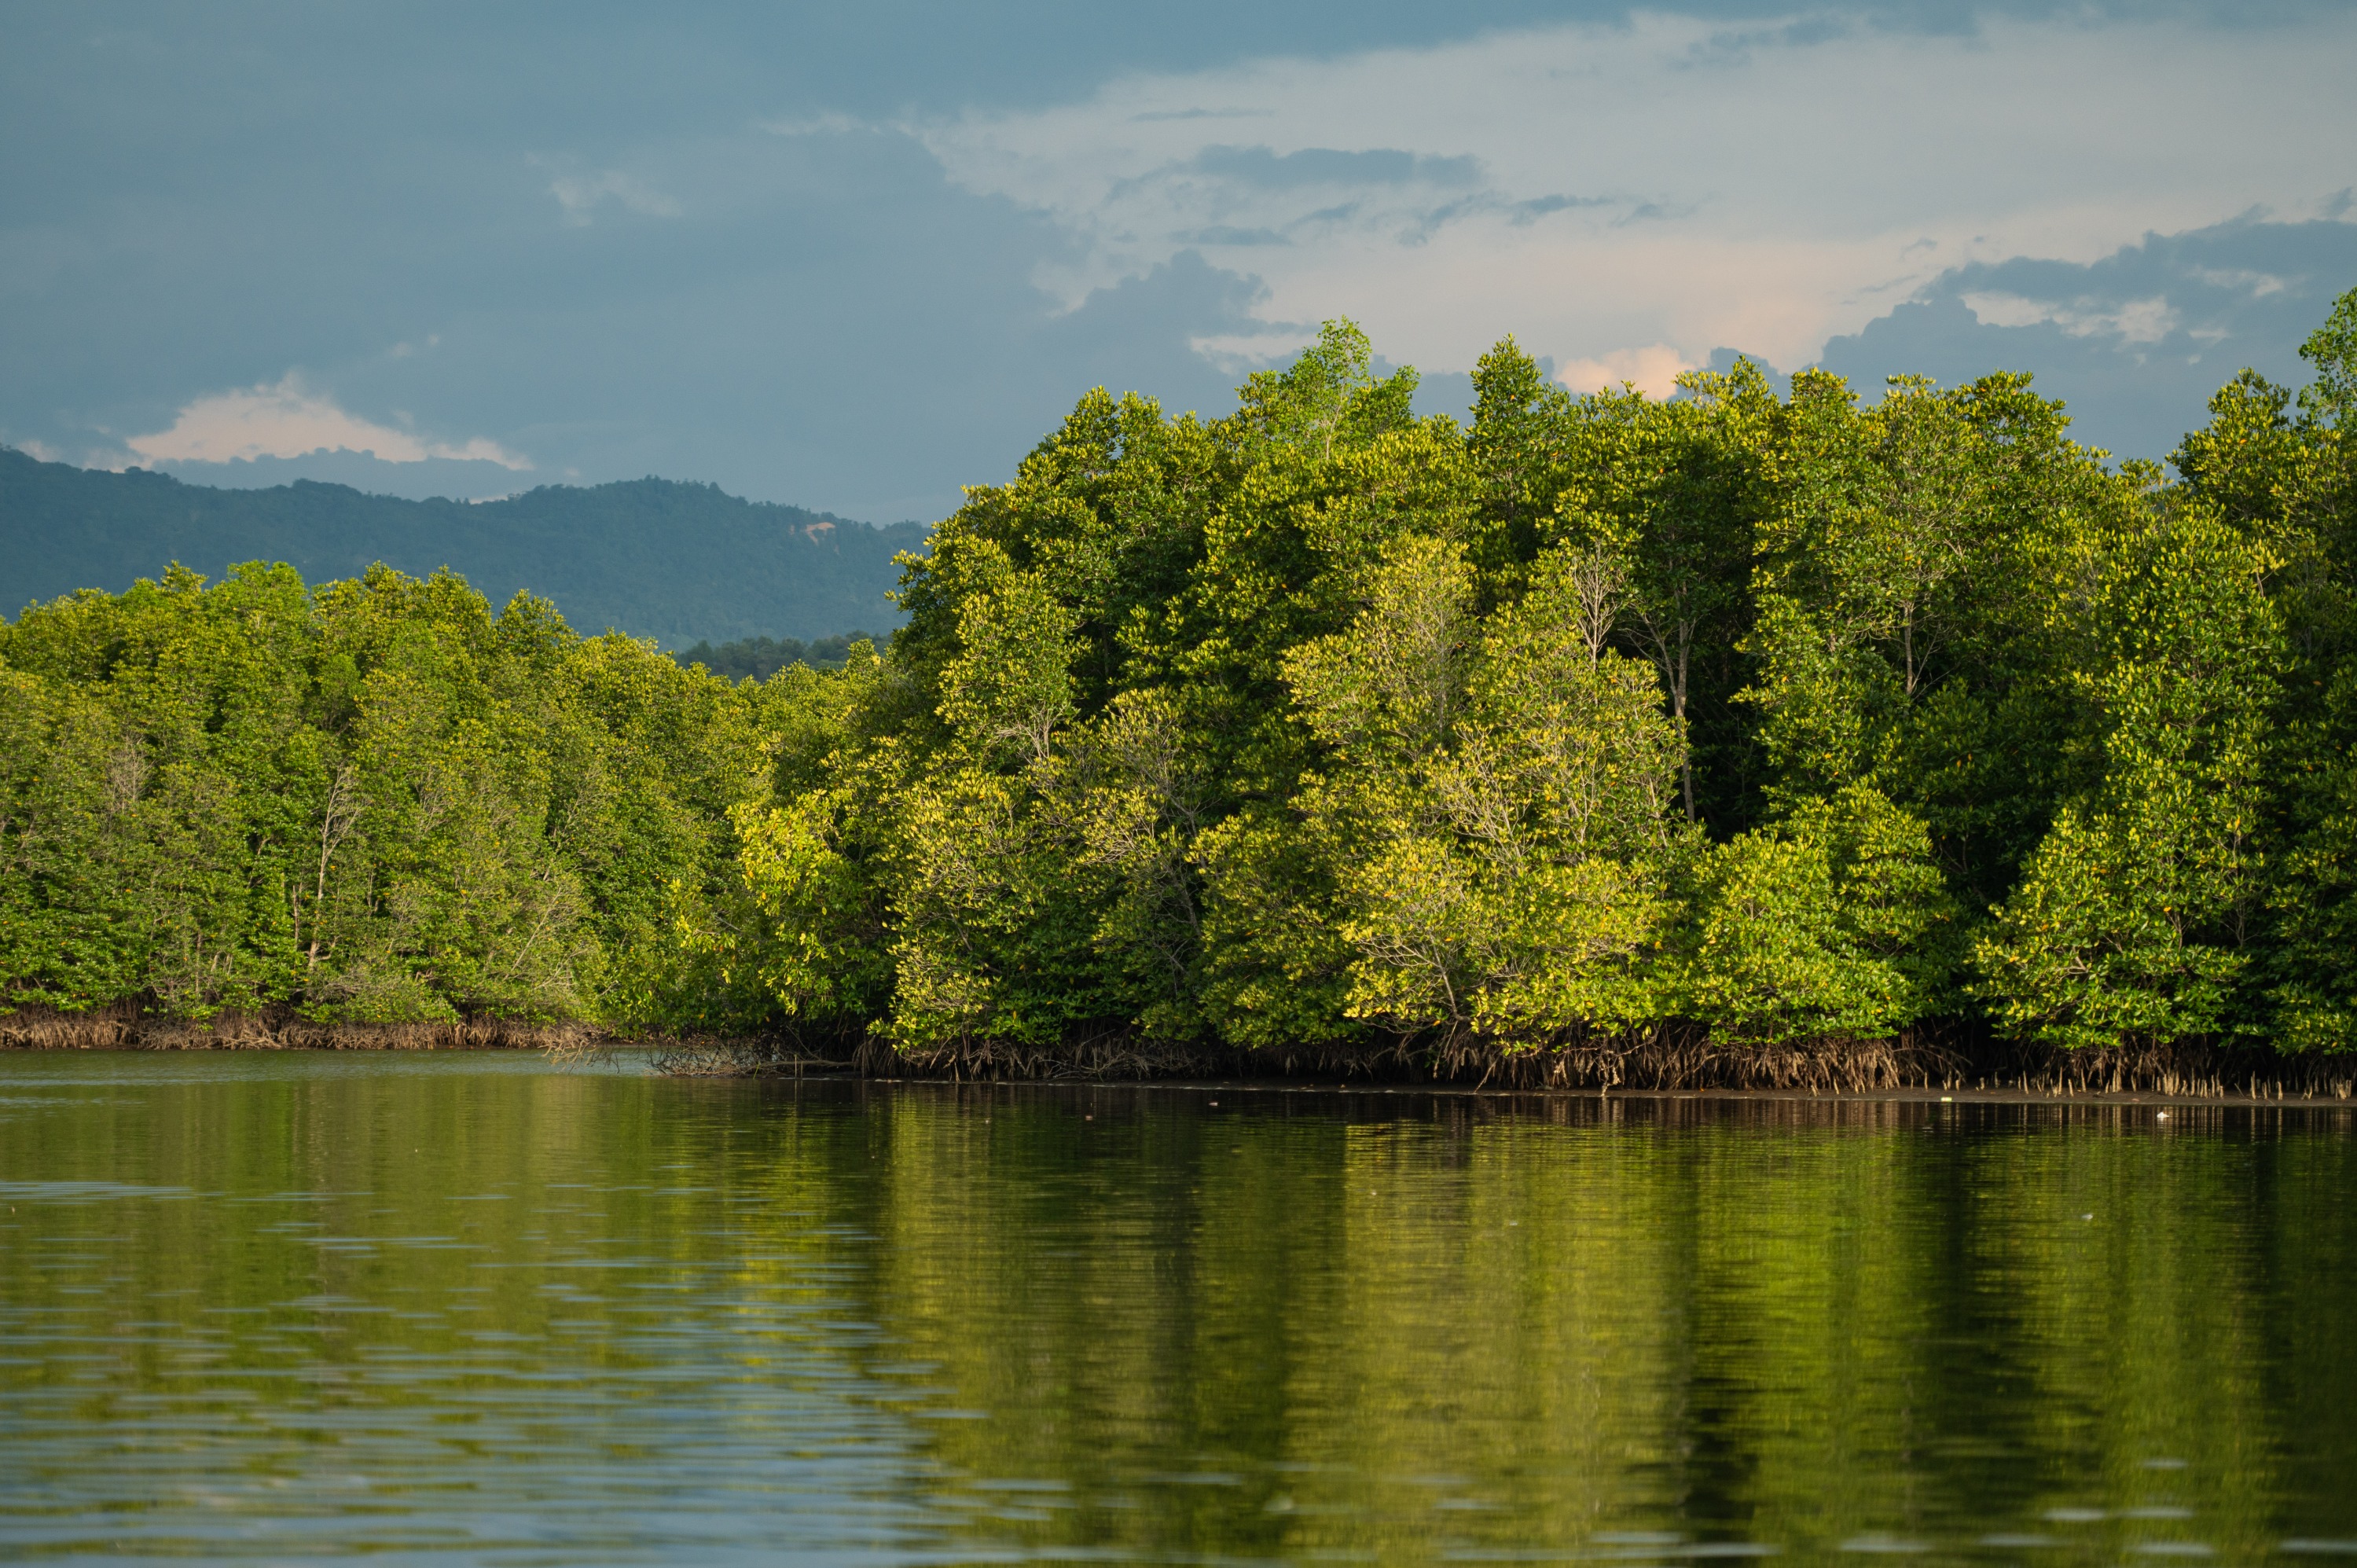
[1666,1060]
[1663,1060]
[1677,1059]
[1111,1054]
[2197,1072]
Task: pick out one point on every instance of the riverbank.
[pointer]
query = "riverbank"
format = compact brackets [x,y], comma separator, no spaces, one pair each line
[1671,1063]
[126,1027]
[1667,1065]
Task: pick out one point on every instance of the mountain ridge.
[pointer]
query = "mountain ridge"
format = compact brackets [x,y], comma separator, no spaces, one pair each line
[679,561]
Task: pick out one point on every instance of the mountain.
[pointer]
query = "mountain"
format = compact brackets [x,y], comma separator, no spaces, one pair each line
[651,557]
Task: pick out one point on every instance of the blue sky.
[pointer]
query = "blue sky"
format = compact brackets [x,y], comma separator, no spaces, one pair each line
[855,257]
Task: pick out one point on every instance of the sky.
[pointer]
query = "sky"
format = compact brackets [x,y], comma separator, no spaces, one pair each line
[854,257]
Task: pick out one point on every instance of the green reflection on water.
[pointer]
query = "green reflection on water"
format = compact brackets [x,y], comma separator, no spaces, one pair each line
[477,1307]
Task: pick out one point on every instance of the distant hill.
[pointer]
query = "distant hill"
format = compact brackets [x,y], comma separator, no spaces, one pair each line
[761,656]
[679,563]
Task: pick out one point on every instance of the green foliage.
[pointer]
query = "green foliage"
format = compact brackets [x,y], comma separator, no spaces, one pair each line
[1831,924]
[759,658]
[1676,489]
[1762,719]
[2131,916]
[1506,805]
[2331,401]
[2289,484]
[376,801]
[2304,968]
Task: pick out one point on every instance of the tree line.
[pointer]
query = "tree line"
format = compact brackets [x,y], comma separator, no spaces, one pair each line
[1773,718]
[759,658]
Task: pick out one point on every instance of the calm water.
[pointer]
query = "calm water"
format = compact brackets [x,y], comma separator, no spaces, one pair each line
[478,1309]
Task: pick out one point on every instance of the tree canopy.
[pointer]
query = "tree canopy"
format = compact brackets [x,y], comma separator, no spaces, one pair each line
[1810,719]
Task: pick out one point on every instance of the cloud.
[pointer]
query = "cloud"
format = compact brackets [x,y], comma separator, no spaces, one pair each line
[2134,342]
[2257,284]
[1772,188]
[899,255]
[1239,353]
[2146,320]
[289,420]
[1272,170]
[2245,287]
[1653,370]
[582,195]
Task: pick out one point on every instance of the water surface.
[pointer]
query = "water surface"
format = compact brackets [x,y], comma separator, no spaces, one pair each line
[475,1308]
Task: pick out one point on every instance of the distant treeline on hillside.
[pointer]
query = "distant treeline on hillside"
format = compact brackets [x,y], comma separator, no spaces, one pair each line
[759,658]
[651,557]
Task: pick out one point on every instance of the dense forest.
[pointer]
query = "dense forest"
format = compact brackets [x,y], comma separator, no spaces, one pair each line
[759,658]
[1761,720]
[651,557]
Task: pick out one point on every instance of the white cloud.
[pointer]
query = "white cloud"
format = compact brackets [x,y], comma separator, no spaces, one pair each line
[1653,370]
[2257,284]
[1238,353]
[290,420]
[1667,189]
[2007,309]
[581,195]
[2131,321]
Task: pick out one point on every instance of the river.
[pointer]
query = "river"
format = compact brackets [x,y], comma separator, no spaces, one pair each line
[479,1308]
